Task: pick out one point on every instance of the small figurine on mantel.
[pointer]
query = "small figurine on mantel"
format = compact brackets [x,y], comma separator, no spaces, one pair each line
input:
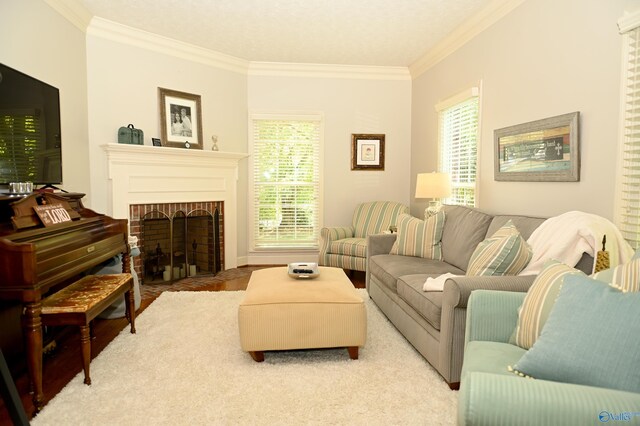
[214,139]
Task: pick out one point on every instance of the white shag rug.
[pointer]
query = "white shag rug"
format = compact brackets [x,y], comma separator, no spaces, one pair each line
[185,367]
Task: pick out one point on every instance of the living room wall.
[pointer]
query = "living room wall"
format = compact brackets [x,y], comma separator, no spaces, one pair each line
[123,81]
[350,105]
[41,43]
[545,58]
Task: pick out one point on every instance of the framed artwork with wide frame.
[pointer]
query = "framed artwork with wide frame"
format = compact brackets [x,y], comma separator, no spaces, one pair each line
[546,150]
[367,151]
[180,119]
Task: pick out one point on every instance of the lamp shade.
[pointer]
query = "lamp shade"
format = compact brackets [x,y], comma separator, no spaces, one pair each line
[433,185]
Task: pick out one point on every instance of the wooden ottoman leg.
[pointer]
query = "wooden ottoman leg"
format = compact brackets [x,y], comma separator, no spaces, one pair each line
[258,356]
[85,341]
[353,352]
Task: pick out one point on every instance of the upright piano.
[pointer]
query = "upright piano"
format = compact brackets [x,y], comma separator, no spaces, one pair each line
[37,260]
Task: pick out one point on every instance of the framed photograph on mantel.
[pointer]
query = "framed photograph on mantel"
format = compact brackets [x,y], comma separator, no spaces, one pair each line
[545,150]
[367,151]
[180,119]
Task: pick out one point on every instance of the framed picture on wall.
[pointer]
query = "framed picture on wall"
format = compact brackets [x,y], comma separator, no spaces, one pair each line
[545,150]
[180,119]
[367,151]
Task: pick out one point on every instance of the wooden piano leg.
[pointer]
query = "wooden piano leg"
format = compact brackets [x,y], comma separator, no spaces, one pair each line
[85,342]
[32,327]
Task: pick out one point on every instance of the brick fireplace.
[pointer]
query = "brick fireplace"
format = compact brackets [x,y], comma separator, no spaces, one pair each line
[170,180]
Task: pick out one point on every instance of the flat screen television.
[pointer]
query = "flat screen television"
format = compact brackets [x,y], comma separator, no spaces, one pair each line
[30,143]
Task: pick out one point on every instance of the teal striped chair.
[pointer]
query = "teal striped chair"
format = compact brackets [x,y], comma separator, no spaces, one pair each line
[491,395]
[346,247]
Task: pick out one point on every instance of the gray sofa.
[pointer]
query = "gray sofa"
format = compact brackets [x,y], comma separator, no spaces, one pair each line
[434,322]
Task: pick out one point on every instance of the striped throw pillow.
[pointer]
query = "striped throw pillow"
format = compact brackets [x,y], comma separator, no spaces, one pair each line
[419,238]
[539,301]
[624,277]
[504,253]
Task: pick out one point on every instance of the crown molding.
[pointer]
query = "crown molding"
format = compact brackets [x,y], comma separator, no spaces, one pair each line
[488,16]
[114,31]
[73,11]
[363,72]
[119,33]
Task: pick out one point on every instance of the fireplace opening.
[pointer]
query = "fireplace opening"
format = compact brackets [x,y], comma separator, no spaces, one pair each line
[178,241]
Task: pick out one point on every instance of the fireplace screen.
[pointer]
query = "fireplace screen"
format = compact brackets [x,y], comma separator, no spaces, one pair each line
[179,243]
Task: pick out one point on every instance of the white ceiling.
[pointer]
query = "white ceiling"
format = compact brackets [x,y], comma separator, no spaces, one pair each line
[349,32]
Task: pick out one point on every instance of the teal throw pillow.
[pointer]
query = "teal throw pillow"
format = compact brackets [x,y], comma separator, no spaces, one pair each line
[592,337]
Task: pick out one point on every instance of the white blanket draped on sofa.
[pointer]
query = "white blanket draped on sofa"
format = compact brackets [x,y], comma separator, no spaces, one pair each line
[567,236]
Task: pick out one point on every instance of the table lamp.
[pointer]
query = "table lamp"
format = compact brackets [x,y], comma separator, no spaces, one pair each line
[435,186]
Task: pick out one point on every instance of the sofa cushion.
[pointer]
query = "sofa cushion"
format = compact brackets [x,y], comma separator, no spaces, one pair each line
[427,304]
[419,238]
[490,357]
[590,338]
[625,277]
[349,246]
[387,268]
[539,301]
[504,253]
[464,228]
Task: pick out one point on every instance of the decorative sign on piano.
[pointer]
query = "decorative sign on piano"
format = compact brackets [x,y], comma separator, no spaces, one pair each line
[41,209]
[52,214]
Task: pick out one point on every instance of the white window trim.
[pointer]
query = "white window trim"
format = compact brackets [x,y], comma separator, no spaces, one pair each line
[282,254]
[473,91]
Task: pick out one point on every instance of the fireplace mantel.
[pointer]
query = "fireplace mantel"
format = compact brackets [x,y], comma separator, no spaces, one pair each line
[139,174]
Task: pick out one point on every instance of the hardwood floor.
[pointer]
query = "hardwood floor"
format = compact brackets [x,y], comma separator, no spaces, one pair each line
[64,362]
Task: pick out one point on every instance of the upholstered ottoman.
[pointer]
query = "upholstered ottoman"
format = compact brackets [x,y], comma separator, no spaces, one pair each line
[283,313]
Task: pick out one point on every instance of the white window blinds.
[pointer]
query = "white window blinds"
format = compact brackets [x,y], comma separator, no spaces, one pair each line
[628,179]
[458,136]
[286,182]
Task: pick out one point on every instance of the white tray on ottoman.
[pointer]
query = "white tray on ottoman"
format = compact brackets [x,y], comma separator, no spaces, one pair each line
[283,313]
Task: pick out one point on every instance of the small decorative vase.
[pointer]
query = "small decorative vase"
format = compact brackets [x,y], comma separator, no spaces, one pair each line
[214,139]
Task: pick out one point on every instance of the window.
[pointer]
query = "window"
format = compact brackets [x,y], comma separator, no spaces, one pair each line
[458,145]
[628,178]
[285,181]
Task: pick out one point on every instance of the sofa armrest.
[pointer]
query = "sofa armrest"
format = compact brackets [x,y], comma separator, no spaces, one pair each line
[380,243]
[458,289]
[333,233]
[337,232]
[494,399]
[492,315]
[453,319]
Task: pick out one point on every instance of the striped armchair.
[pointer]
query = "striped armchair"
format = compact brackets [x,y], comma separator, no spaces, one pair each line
[346,247]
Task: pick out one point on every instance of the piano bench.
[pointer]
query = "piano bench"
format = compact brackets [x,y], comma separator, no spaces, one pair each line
[79,303]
